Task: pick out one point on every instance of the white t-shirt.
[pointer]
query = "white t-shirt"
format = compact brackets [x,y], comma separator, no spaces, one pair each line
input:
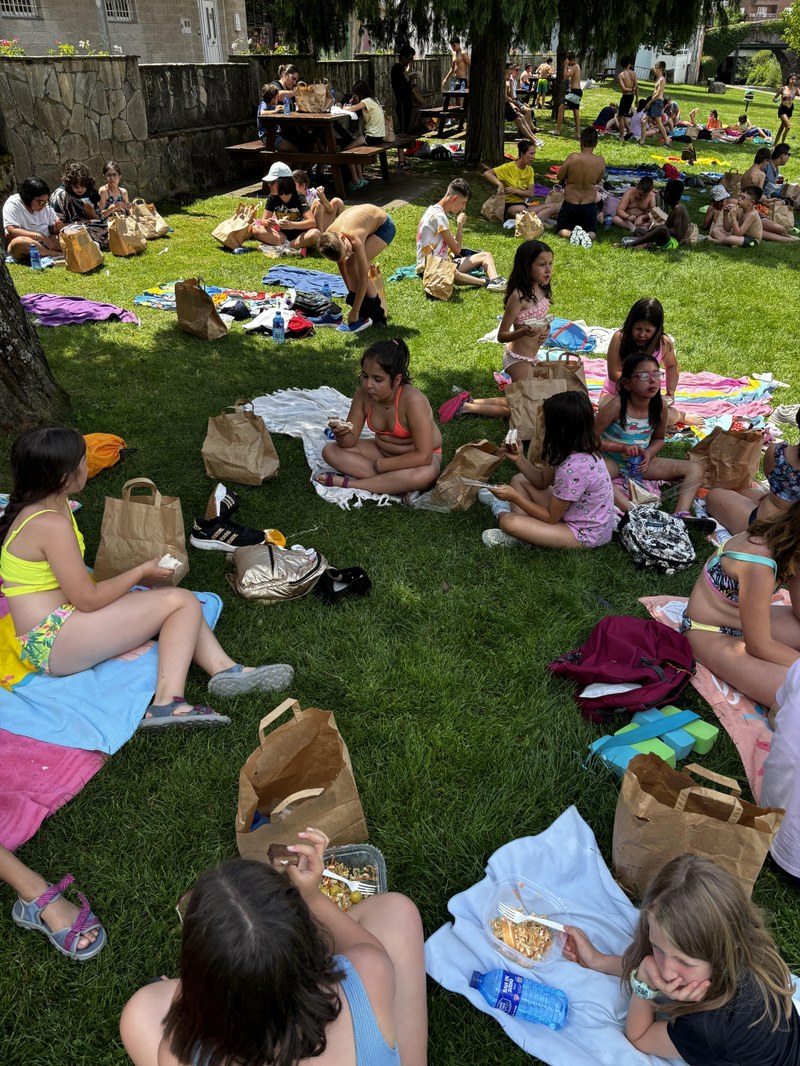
[781,782]
[429,235]
[15,213]
[374,124]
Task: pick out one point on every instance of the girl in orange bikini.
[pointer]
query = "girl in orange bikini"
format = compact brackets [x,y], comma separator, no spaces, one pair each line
[406,452]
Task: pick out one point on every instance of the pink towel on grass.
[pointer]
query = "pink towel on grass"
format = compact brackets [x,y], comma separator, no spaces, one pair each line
[744,721]
[36,778]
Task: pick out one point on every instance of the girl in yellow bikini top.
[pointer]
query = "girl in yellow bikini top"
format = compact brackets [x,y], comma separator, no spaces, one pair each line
[29,576]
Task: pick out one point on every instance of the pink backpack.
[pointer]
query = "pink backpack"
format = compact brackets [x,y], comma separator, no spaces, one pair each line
[627,651]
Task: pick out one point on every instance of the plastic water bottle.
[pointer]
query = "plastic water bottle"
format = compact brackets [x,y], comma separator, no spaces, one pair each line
[278,334]
[608,221]
[326,290]
[634,465]
[287,105]
[36,259]
[526,999]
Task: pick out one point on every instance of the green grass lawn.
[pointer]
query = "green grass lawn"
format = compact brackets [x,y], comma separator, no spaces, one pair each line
[459,737]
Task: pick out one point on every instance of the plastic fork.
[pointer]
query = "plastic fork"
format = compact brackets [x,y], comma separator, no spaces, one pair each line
[364,887]
[520,916]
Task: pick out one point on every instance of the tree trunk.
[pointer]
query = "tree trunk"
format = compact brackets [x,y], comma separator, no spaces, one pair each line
[558,91]
[485,128]
[28,393]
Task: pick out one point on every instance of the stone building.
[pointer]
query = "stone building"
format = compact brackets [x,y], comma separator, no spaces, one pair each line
[157,31]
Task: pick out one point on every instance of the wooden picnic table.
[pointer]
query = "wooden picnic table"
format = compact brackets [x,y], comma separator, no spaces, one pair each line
[322,123]
[460,98]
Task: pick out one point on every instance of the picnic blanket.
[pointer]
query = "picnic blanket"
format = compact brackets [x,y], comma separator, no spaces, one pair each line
[96,710]
[36,778]
[305,280]
[72,310]
[304,413]
[566,861]
[744,721]
[162,297]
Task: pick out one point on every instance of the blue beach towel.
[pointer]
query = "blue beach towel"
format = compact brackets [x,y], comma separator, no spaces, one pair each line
[305,280]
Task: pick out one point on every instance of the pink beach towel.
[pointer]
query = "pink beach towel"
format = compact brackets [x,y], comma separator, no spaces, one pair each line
[744,721]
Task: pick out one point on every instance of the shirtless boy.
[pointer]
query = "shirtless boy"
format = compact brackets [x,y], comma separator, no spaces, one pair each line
[635,205]
[629,86]
[740,225]
[674,231]
[353,241]
[572,94]
[458,74]
[580,174]
[543,74]
[756,175]
[655,109]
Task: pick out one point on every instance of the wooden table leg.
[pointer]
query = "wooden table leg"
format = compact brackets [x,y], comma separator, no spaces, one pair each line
[338,170]
[382,157]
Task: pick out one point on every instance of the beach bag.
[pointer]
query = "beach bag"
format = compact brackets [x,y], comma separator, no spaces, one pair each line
[458,484]
[81,253]
[438,279]
[570,336]
[663,813]
[528,226]
[653,661]
[733,182]
[526,396]
[656,540]
[494,209]
[124,236]
[238,447]
[234,231]
[299,775]
[782,214]
[102,451]
[730,457]
[313,99]
[136,529]
[270,573]
[197,313]
[151,224]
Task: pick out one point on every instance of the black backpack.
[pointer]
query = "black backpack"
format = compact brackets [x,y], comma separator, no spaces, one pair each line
[312,304]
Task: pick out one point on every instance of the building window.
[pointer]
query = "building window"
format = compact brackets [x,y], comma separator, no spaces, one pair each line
[761,12]
[19,9]
[119,10]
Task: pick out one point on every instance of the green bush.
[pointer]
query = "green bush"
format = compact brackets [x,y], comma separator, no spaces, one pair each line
[708,67]
[762,69]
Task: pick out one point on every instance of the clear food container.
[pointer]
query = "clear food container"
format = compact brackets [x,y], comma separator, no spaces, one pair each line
[544,945]
[354,857]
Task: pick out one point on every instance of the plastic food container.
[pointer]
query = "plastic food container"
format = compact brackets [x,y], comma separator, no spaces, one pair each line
[535,900]
[355,855]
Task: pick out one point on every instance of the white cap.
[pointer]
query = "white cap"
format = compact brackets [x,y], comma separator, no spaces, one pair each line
[277,170]
[719,192]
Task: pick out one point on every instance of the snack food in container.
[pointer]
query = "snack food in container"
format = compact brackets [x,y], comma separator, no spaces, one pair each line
[526,943]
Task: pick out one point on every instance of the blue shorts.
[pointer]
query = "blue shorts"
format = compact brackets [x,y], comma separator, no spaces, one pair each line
[386,231]
[656,109]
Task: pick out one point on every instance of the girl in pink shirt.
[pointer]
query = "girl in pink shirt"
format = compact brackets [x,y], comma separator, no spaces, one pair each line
[566,503]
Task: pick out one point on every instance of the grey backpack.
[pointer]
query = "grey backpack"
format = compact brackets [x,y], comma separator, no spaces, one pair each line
[656,540]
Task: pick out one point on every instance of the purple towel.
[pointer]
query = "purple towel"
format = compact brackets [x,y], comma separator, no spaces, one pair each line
[72,310]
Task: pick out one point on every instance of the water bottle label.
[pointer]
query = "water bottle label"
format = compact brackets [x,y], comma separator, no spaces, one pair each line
[510,993]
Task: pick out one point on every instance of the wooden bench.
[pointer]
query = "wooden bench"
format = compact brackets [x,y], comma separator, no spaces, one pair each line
[248,153]
[442,114]
[363,155]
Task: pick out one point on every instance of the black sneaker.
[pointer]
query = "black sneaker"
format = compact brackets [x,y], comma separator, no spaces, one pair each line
[220,535]
[221,503]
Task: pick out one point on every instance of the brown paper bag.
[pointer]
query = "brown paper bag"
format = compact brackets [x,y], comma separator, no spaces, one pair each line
[730,457]
[439,277]
[791,193]
[692,234]
[299,775]
[782,214]
[376,277]
[662,813]
[234,231]
[555,196]
[313,99]
[733,182]
[81,253]
[151,224]
[564,374]
[196,311]
[494,209]
[388,123]
[528,226]
[456,488]
[138,528]
[657,216]
[124,236]
[238,447]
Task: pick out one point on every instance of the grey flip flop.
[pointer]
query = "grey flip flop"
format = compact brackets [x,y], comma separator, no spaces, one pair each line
[163,715]
[234,682]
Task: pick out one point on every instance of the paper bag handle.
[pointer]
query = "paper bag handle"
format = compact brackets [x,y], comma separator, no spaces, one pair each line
[242,405]
[695,790]
[304,793]
[268,719]
[727,782]
[142,482]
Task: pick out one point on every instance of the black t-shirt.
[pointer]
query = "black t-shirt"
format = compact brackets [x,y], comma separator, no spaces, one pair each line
[724,1037]
[401,86]
[291,210]
[605,117]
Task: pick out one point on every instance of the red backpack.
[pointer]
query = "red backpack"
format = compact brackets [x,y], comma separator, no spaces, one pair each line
[622,650]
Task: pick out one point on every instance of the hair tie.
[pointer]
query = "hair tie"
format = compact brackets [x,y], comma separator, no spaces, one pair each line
[396,341]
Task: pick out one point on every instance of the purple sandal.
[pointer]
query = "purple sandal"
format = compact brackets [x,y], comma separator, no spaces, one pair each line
[327,477]
[452,408]
[163,715]
[29,916]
